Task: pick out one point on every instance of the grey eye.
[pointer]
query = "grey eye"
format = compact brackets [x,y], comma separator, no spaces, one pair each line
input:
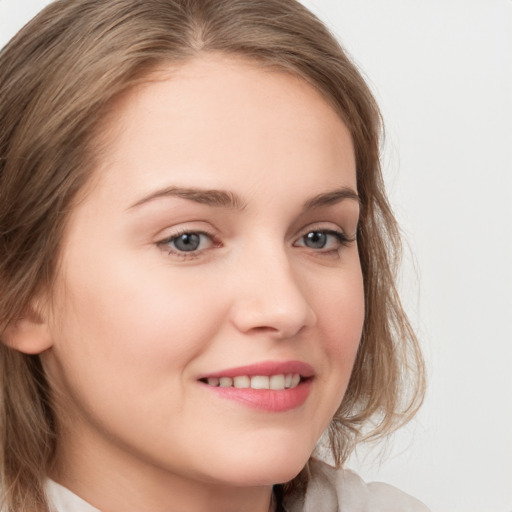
[315,239]
[187,242]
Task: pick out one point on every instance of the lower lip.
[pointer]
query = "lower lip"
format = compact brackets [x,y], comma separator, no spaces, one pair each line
[266,399]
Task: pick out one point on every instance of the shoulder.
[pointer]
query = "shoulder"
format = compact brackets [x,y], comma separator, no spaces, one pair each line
[336,490]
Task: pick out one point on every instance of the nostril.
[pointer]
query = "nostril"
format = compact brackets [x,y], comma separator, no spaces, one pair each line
[264,329]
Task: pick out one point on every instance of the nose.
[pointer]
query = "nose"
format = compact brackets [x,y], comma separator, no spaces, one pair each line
[270,297]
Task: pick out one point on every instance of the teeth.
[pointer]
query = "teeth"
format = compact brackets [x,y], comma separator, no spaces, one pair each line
[277,382]
[260,382]
[274,382]
[225,382]
[242,382]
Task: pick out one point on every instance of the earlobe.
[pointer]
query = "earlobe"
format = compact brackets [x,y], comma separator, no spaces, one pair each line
[30,334]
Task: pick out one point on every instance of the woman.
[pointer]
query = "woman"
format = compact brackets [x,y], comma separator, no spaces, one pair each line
[197,263]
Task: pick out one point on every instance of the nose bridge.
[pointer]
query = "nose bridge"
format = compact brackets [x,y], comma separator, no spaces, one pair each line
[270,295]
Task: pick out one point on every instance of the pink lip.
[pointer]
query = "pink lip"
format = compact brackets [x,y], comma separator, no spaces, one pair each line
[265,368]
[266,399]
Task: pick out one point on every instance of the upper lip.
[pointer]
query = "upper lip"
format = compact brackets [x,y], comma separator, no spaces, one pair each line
[265,368]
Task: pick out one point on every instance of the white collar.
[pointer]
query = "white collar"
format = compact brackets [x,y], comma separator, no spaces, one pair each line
[63,500]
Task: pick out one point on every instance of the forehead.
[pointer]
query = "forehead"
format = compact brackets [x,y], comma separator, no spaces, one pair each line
[217,119]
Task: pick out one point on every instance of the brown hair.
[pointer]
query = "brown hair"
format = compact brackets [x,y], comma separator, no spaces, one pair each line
[58,76]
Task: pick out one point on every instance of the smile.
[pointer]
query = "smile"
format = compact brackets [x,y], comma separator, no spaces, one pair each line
[270,386]
[278,382]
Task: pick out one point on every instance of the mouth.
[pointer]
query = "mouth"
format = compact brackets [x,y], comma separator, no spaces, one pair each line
[269,386]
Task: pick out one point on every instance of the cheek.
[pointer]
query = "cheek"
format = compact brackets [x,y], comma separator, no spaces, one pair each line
[342,312]
[124,346]
[118,320]
[341,320]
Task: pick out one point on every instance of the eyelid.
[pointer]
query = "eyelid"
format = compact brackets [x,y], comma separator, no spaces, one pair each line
[339,234]
[186,226]
[326,227]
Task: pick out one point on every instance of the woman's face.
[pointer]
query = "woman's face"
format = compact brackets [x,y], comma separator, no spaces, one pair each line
[215,251]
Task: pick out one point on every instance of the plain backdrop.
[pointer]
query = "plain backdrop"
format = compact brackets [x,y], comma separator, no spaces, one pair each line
[442,73]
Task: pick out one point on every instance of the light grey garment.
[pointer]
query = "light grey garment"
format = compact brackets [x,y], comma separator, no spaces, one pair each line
[342,490]
[329,490]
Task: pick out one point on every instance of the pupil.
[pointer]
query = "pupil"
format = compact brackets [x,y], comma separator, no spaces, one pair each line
[187,242]
[316,240]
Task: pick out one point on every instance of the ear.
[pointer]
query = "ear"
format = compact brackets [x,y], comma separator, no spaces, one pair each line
[30,334]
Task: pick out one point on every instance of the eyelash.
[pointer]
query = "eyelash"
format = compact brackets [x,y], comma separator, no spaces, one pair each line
[342,239]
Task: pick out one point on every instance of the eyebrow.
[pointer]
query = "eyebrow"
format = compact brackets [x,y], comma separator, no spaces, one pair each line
[330,198]
[218,198]
[232,201]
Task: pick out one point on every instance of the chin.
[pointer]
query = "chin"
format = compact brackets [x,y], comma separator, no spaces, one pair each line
[266,468]
[263,476]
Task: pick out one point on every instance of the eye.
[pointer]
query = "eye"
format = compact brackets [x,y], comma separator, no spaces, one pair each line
[323,240]
[187,242]
[316,240]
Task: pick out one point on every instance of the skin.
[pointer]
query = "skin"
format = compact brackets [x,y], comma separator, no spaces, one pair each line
[134,322]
